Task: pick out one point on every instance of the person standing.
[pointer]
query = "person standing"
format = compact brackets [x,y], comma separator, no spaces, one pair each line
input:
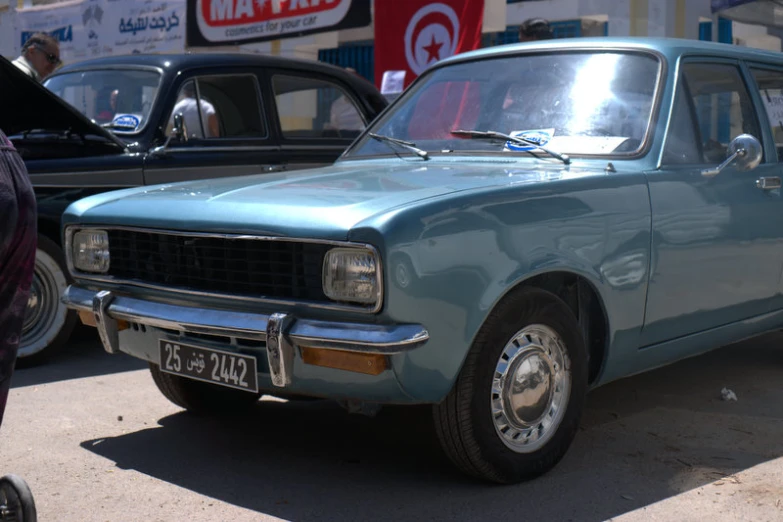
[18,241]
[40,56]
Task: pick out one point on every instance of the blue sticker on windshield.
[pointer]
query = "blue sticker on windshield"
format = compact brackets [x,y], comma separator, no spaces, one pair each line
[126,121]
[537,136]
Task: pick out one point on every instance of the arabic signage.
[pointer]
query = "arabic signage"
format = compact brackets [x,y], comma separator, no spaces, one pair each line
[92,28]
[235,22]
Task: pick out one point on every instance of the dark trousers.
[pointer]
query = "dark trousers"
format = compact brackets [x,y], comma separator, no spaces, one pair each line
[18,239]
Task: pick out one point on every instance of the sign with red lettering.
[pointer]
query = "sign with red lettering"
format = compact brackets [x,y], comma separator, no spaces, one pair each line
[417,33]
[235,22]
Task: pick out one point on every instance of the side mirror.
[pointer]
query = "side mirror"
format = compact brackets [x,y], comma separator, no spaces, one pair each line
[744,150]
[179,133]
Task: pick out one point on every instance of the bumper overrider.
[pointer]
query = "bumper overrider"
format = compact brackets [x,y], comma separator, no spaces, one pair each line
[282,332]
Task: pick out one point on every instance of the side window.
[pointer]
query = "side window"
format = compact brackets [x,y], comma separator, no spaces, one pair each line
[312,108]
[220,107]
[722,105]
[770,84]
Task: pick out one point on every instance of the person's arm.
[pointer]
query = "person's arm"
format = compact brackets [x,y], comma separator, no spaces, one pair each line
[214,125]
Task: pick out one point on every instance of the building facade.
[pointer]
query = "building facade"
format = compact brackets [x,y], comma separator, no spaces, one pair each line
[570,18]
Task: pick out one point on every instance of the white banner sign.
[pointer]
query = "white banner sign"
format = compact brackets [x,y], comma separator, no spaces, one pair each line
[92,28]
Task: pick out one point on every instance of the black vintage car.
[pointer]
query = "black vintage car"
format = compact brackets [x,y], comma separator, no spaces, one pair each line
[125,121]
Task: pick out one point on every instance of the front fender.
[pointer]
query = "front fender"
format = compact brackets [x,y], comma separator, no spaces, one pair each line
[449,260]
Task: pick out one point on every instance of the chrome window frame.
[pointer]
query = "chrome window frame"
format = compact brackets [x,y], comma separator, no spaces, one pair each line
[332,305]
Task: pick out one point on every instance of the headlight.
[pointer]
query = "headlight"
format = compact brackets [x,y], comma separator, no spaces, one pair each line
[351,274]
[90,251]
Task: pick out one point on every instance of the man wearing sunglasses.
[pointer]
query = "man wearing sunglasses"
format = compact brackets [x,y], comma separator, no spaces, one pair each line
[40,56]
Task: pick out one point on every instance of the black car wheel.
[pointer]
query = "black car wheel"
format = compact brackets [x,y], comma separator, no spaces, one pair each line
[48,323]
[16,500]
[516,405]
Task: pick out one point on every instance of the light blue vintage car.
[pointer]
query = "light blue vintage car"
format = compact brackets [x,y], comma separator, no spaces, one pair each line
[525,223]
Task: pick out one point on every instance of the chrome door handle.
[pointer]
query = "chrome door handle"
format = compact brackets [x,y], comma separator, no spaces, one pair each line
[768,183]
[273,168]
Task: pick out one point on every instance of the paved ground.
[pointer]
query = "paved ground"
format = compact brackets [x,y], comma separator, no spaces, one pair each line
[97,442]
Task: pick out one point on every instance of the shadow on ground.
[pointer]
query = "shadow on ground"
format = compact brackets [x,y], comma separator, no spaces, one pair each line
[82,357]
[643,439]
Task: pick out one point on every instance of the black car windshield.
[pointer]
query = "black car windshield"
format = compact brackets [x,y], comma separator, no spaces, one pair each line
[577,103]
[118,99]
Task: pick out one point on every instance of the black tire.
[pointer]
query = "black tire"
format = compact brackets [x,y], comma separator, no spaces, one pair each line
[53,326]
[17,499]
[202,398]
[464,422]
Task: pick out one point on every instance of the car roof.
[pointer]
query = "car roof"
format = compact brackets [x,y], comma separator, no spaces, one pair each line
[172,63]
[669,47]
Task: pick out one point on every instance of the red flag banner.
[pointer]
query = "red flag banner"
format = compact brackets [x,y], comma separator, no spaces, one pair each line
[411,35]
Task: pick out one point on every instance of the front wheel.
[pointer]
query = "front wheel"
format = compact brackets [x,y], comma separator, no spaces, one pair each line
[202,398]
[48,323]
[516,406]
[16,500]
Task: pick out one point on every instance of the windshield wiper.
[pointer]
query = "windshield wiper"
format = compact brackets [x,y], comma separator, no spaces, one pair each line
[406,144]
[494,135]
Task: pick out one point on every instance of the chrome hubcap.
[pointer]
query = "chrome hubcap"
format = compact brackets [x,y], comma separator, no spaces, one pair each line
[33,310]
[41,305]
[530,388]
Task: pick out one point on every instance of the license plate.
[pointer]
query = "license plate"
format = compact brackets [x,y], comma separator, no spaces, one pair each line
[209,365]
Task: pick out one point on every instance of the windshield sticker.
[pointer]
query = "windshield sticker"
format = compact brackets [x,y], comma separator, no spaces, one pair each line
[126,121]
[537,136]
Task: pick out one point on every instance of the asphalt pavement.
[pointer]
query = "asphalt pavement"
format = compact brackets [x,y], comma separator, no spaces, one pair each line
[97,442]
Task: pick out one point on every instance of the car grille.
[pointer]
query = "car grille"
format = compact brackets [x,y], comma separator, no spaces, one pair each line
[221,265]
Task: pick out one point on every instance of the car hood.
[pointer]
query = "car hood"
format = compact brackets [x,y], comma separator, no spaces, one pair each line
[28,105]
[324,203]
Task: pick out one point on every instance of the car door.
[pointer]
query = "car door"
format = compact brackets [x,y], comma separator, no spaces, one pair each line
[226,130]
[768,80]
[715,238]
[316,117]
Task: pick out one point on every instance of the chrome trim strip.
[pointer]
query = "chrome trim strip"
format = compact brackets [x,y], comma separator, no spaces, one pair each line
[279,351]
[224,148]
[71,229]
[352,337]
[292,148]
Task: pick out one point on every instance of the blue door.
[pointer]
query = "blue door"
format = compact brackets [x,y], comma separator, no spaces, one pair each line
[716,254]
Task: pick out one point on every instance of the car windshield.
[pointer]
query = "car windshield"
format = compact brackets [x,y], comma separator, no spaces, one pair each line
[577,103]
[118,99]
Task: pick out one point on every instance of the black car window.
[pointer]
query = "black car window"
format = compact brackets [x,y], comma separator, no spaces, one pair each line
[722,107]
[770,85]
[314,108]
[225,106]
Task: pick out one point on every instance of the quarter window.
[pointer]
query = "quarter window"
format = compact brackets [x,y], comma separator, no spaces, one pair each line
[220,107]
[312,108]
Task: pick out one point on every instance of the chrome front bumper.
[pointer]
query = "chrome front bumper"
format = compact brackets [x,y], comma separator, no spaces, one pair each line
[281,332]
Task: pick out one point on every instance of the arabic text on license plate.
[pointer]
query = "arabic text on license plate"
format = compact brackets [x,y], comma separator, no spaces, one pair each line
[206,364]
